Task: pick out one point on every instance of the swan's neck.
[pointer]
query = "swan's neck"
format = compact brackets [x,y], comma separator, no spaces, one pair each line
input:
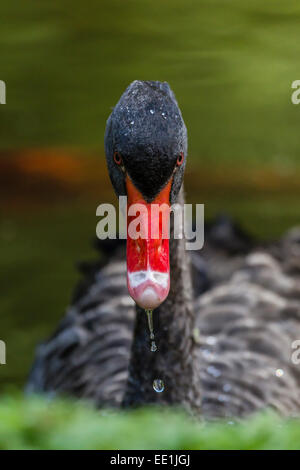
[174,361]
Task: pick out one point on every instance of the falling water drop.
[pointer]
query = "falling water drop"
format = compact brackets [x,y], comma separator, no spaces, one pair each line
[158,385]
[150,324]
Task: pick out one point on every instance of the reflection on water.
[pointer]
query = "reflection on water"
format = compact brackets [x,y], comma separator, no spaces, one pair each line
[230,63]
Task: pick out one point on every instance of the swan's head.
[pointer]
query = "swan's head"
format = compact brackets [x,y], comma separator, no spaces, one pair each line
[146,148]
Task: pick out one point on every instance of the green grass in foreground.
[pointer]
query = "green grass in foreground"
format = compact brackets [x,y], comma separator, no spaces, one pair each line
[37,423]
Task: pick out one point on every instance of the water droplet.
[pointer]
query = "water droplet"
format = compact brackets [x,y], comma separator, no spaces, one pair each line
[158,385]
[211,340]
[151,111]
[212,370]
[150,324]
[279,372]
[226,388]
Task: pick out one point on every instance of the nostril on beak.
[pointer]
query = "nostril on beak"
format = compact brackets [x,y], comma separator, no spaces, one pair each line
[159,277]
[137,278]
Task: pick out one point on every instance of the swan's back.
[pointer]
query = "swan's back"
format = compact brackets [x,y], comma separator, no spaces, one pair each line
[248,325]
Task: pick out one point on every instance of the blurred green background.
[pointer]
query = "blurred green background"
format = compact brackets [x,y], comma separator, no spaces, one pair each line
[230,62]
[65,63]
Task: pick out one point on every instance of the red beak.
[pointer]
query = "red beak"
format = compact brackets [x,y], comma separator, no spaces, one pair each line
[148,268]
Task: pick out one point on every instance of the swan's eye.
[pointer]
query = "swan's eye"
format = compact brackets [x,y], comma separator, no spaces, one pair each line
[117,158]
[180,159]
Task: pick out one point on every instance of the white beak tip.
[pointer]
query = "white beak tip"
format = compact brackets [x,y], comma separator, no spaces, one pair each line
[148,299]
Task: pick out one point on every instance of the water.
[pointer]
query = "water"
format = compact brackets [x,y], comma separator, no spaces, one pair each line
[199,64]
[158,385]
[279,372]
[150,324]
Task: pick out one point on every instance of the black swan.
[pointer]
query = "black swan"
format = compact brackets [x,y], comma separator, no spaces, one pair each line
[225,331]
